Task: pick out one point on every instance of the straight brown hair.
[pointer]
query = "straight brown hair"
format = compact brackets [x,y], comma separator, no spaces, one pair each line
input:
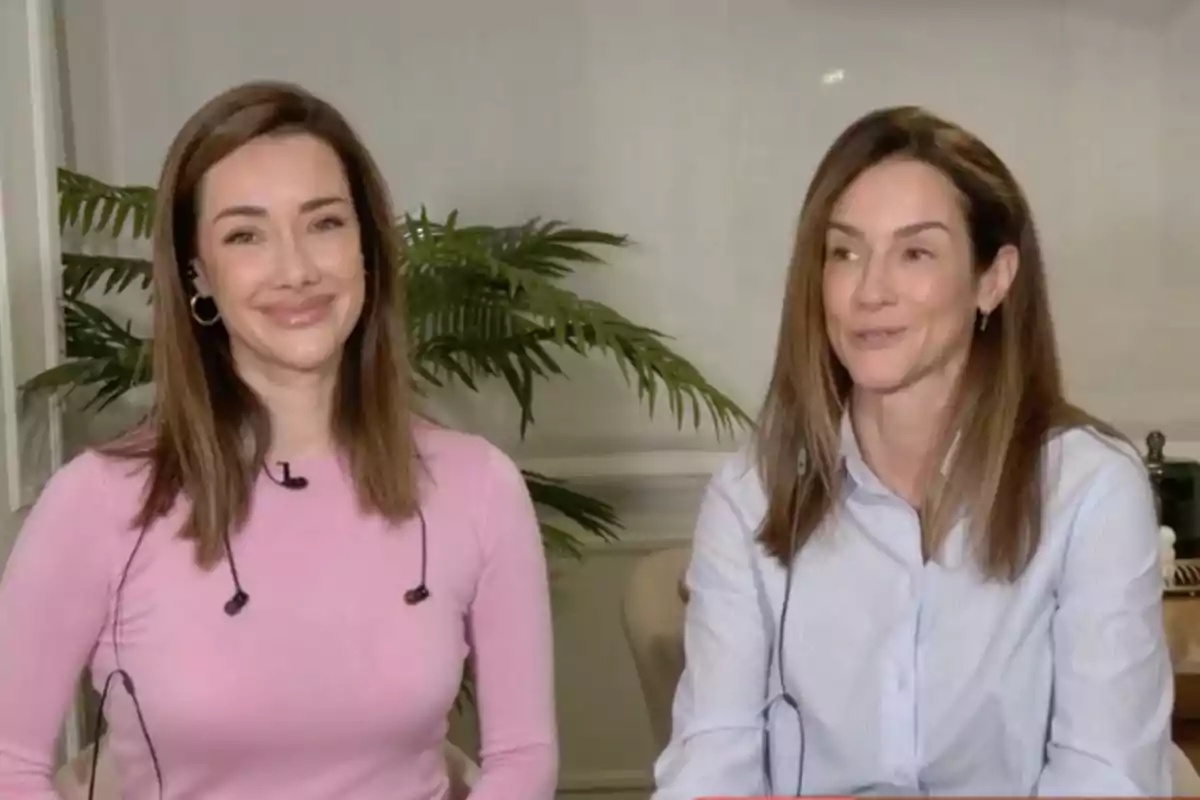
[1010,398]
[208,433]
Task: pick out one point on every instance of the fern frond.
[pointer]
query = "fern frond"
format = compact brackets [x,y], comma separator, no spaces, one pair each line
[592,516]
[103,356]
[477,317]
[92,206]
[112,273]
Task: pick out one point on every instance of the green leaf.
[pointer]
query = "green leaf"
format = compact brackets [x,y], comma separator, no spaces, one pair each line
[591,516]
[92,206]
[109,273]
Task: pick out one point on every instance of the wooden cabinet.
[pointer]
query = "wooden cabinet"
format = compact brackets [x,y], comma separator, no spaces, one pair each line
[1185,725]
[1181,615]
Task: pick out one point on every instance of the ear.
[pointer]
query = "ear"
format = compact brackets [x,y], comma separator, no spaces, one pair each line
[199,282]
[997,279]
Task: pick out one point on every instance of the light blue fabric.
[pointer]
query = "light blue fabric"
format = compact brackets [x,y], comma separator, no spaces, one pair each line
[922,678]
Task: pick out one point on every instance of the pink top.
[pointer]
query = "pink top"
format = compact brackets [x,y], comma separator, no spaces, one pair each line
[327,685]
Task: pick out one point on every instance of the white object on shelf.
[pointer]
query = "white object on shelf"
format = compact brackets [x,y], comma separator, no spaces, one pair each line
[1166,554]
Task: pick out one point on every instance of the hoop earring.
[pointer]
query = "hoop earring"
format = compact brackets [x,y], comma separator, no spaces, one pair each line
[204,321]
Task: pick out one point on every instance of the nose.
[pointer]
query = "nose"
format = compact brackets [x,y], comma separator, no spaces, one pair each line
[295,265]
[875,287]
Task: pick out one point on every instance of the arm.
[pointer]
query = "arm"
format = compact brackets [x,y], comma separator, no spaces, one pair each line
[53,604]
[1113,688]
[511,643]
[716,745]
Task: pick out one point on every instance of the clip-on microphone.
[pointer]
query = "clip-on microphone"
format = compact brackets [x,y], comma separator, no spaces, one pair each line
[288,481]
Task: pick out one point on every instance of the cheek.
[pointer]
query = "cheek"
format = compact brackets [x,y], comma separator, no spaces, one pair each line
[234,280]
[942,299]
[836,293]
[338,257]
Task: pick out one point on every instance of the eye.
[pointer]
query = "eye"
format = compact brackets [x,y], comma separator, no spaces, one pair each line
[329,223]
[242,236]
[837,253]
[917,254]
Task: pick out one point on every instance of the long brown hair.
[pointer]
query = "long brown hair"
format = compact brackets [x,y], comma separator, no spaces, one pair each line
[1010,398]
[208,433]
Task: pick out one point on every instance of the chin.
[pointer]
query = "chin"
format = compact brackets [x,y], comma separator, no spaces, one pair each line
[879,378]
[310,364]
[316,355]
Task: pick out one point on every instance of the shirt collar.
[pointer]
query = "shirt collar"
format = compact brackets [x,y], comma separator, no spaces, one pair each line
[855,466]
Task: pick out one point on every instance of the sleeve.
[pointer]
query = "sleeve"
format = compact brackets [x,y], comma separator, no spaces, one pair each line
[53,606]
[512,646]
[1113,685]
[716,746]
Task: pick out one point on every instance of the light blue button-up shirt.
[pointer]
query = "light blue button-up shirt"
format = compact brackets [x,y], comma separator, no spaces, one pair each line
[918,678]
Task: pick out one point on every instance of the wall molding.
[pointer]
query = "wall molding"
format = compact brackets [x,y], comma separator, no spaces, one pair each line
[29,248]
[633,465]
[1177,449]
[657,492]
[29,260]
[652,466]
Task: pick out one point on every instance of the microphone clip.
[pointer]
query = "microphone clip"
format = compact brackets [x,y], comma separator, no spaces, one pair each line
[288,481]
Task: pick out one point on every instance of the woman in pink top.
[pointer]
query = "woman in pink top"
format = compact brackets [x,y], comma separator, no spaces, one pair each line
[280,575]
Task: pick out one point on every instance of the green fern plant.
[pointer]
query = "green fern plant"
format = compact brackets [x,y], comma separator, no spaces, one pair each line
[483,302]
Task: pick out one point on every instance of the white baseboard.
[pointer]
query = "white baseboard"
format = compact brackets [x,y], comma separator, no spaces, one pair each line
[602,781]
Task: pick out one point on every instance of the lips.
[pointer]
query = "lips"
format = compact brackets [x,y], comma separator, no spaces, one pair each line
[300,314]
[874,338]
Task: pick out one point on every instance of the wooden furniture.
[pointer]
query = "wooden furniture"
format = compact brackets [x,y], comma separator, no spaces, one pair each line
[1181,616]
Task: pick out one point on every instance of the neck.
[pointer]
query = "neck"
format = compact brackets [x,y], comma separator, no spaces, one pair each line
[300,407]
[898,434]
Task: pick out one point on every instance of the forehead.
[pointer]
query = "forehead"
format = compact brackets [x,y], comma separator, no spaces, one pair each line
[275,172]
[896,193]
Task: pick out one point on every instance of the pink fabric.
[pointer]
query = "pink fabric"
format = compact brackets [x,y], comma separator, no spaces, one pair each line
[327,685]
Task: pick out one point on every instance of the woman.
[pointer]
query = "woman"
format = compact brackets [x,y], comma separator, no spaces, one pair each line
[280,575]
[931,574]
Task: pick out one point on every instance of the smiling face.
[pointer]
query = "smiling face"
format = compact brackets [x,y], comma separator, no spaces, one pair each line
[901,292]
[280,254]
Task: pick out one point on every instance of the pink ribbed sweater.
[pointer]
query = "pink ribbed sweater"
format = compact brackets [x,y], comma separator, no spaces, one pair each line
[327,686]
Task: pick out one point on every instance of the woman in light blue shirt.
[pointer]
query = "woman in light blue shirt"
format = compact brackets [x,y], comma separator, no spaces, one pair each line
[930,574]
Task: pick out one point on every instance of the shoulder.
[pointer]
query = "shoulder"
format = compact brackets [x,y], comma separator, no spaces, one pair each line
[738,482]
[453,457]
[1081,462]
[732,507]
[95,482]
[77,519]
[480,486]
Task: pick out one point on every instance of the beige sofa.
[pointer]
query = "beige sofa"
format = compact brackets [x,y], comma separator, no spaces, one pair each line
[71,782]
[653,611]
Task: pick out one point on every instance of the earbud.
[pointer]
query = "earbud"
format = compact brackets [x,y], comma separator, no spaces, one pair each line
[417,594]
[235,604]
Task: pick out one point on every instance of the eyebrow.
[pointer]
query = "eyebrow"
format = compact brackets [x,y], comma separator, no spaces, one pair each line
[258,211]
[907,230]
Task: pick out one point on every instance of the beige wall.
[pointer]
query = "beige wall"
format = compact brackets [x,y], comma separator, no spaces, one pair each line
[694,125]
